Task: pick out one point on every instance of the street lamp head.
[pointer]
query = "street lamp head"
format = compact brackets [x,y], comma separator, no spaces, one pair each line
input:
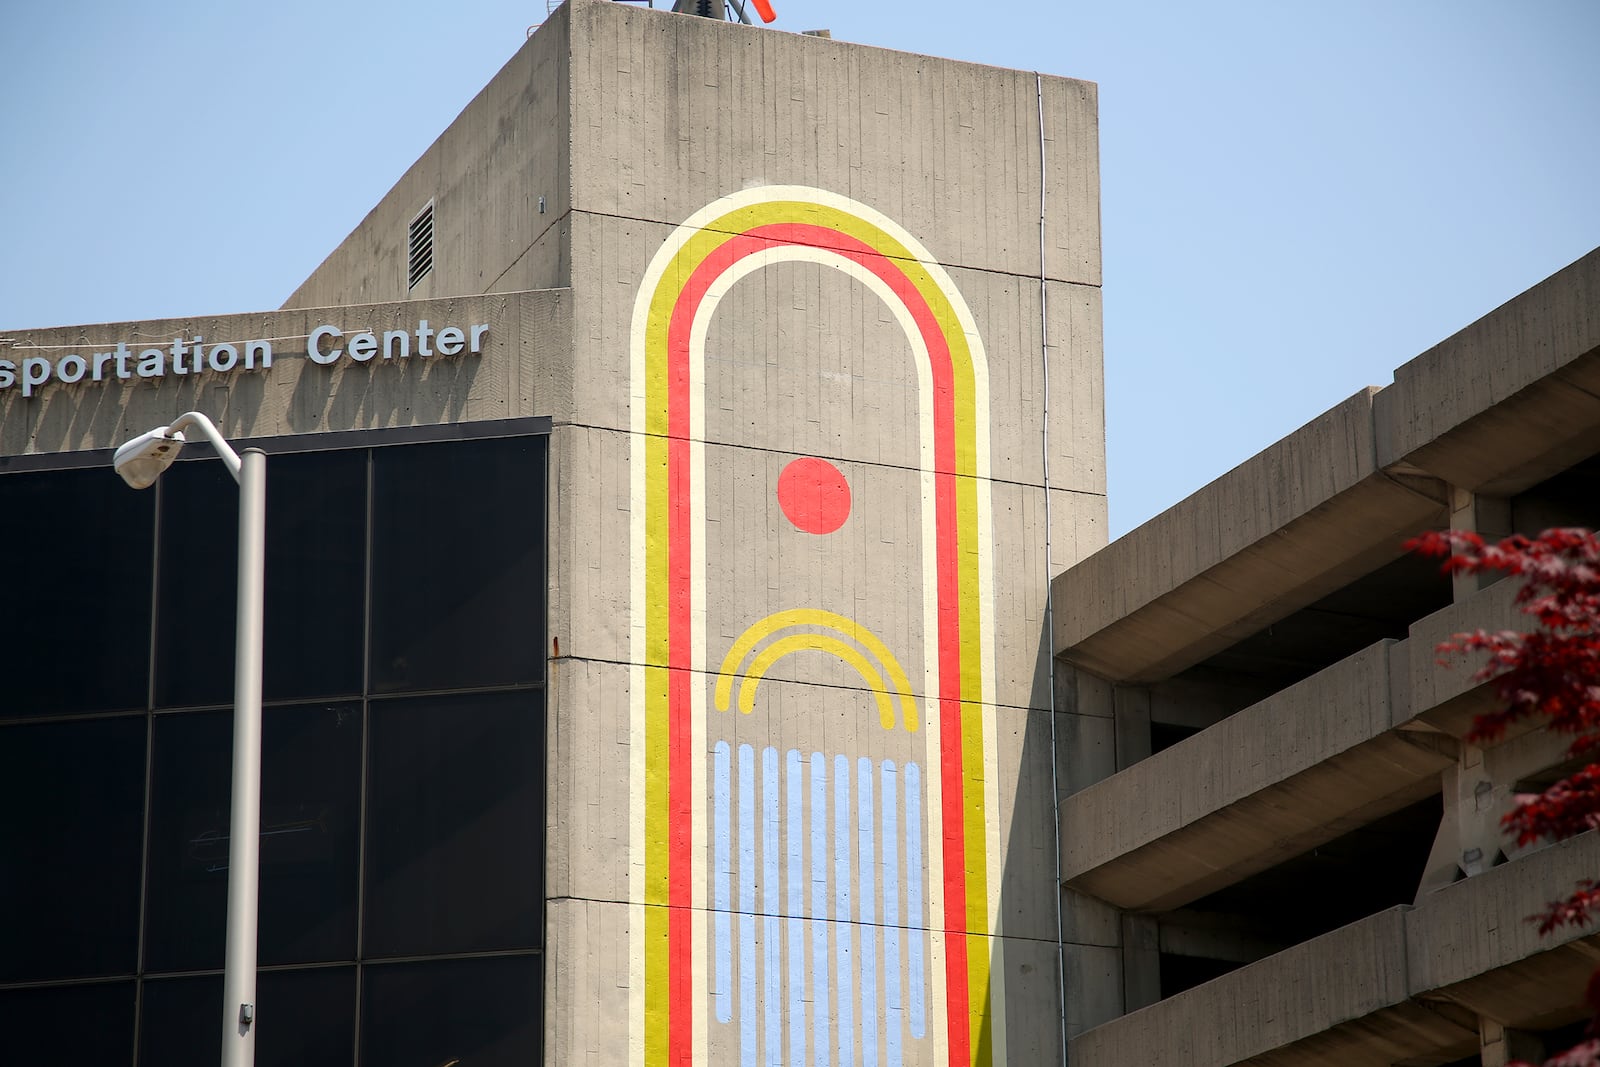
[141,460]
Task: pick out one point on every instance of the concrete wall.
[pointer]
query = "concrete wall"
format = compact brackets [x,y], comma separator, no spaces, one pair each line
[688,133]
[874,827]
[521,371]
[1300,768]
[1499,407]
[1503,404]
[1405,985]
[1305,516]
[498,178]
[1510,399]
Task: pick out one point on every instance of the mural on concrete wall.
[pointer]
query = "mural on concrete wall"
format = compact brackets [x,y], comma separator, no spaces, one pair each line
[823,890]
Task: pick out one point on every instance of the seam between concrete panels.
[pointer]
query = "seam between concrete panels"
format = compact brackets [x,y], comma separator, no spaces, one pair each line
[917,694]
[992,479]
[946,265]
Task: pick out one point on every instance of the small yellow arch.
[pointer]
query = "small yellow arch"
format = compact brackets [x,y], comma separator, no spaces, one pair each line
[836,640]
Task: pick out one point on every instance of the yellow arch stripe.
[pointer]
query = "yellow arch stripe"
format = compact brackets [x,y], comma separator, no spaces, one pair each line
[822,619]
[701,244]
[833,646]
[693,248]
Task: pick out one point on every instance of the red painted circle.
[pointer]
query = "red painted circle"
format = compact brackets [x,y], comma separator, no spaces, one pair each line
[814,495]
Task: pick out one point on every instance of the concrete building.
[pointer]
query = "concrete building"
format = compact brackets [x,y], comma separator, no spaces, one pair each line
[679,461]
[691,638]
[1277,846]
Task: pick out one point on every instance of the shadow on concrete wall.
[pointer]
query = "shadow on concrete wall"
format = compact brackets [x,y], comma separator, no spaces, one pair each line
[417,391]
[1029,894]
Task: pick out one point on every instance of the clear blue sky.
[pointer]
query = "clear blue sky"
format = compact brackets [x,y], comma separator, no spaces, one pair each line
[1297,197]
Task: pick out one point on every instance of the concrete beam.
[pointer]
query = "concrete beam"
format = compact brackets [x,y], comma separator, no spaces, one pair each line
[1141,962]
[1471,412]
[1302,767]
[1308,515]
[501,188]
[1478,792]
[1445,695]
[1335,498]
[1266,1005]
[522,370]
[1502,1045]
[1487,516]
[1407,984]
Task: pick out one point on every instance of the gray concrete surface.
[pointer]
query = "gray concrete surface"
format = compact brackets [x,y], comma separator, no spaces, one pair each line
[945,148]
[568,173]
[521,370]
[1405,985]
[1447,695]
[1315,761]
[1295,522]
[486,176]
[1509,399]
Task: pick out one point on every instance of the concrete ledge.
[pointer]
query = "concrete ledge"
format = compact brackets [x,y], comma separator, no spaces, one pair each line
[1352,972]
[1298,769]
[1447,697]
[1509,400]
[1505,403]
[1472,938]
[1297,521]
[523,370]
[1400,985]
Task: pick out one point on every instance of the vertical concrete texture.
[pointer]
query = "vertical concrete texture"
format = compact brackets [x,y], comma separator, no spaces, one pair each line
[521,371]
[818,327]
[804,782]
[498,180]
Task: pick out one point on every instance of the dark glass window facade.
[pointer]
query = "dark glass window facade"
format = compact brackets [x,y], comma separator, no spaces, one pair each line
[403,766]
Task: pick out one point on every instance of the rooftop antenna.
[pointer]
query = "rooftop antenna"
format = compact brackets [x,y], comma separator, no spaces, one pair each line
[718,9]
[551,5]
[711,9]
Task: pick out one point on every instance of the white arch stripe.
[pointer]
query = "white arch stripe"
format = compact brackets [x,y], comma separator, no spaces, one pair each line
[638,421]
[933,850]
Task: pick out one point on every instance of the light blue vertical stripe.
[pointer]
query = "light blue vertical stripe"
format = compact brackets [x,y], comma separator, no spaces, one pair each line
[867,911]
[893,1007]
[819,908]
[841,891]
[796,892]
[771,903]
[914,917]
[749,1053]
[722,774]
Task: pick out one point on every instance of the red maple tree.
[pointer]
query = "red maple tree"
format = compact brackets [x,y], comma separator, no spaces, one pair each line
[1551,673]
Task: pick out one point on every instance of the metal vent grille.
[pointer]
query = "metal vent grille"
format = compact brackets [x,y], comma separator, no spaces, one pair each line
[420,260]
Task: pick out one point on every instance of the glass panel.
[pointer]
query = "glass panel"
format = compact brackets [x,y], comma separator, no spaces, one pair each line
[69,848]
[458,564]
[303,1019]
[307,1018]
[310,803]
[478,1013]
[198,585]
[68,1026]
[455,845]
[81,546]
[180,1021]
[315,574]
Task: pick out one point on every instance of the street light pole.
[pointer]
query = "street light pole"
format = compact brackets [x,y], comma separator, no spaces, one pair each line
[140,462]
[244,835]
